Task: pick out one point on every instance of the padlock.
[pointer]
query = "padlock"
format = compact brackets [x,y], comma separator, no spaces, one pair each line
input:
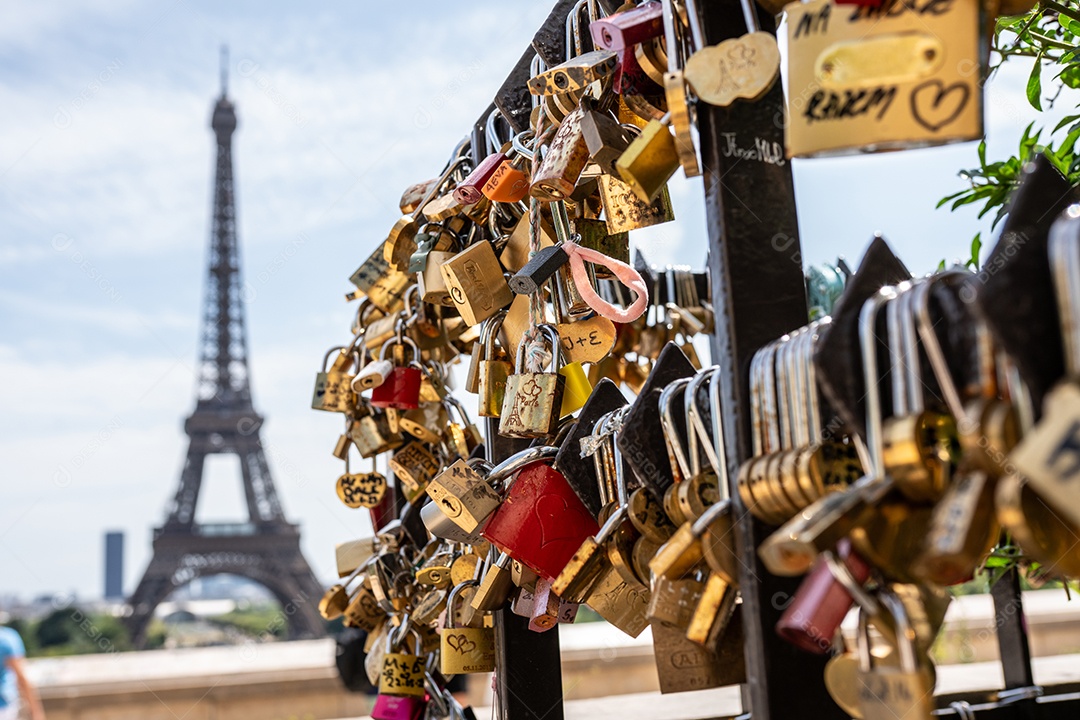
[650,160]
[509,183]
[432,283]
[459,500]
[414,466]
[492,372]
[475,283]
[401,388]
[371,375]
[538,270]
[886,693]
[468,190]
[414,194]
[605,138]
[533,401]
[403,672]
[580,575]
[363,611]
[567,156]
[398,707]
[624,210]
[593,234]
[546,606]
[465,649]
[372,435]
[740,68]
[628,27]
[823,599]
[333,384]
[574,74]
[495,585]
[621,603]
[462,436]
[542,522]
[357,490]
[713,612]
[464,495]
[425,423]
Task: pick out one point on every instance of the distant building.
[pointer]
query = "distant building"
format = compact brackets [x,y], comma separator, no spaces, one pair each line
[114,566]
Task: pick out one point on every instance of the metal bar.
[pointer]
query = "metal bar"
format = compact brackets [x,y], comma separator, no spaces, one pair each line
[758,294]
[1012,637]
[528,678]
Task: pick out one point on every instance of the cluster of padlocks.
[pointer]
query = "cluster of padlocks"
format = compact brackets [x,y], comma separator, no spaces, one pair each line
[894,436]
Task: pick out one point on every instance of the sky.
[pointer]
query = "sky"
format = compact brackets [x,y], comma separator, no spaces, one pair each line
[106,164]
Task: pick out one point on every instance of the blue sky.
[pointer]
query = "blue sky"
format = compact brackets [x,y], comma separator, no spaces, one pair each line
[105,184]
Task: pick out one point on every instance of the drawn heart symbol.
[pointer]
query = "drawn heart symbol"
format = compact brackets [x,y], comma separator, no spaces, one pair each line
[461,643]
[934,106]
[555,518]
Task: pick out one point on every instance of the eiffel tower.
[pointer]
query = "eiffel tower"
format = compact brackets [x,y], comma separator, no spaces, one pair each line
[265,549]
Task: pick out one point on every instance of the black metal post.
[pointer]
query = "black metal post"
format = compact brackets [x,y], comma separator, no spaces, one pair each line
[758,294]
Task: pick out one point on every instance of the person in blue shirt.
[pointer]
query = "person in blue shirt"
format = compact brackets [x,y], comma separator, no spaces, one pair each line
[14,684]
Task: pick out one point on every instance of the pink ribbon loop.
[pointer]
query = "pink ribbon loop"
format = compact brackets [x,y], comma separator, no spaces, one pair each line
[627,275]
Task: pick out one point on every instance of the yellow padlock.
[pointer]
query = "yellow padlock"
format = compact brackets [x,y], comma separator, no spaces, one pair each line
[577,390]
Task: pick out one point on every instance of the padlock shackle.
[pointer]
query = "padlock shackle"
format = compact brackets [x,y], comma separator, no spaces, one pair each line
[489,333]
[455,593]
[695,427]
[401,339]
[613,523]
[518,461]
[930,342]
[710,515]
[556,349]
[868,342]
[905,633]
[667,422]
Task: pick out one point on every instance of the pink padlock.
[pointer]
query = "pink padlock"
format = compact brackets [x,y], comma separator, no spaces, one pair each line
[399,707]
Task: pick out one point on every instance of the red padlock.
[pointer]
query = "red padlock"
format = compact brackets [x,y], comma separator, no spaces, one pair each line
[401,388]
[542,522]
[400,391]
[822,601]
[629,27]
[469,191]
[631,79]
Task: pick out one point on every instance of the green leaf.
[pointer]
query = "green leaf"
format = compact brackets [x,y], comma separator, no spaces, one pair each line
[1064,121]
[941,266]
[1034,84]
[982,152]
[1070,76]
[976,247]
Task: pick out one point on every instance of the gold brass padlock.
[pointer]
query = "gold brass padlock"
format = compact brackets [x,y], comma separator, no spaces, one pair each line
[333,384]
[624,210]
[533,401]
[465,649]
[475,283]
[650,160]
